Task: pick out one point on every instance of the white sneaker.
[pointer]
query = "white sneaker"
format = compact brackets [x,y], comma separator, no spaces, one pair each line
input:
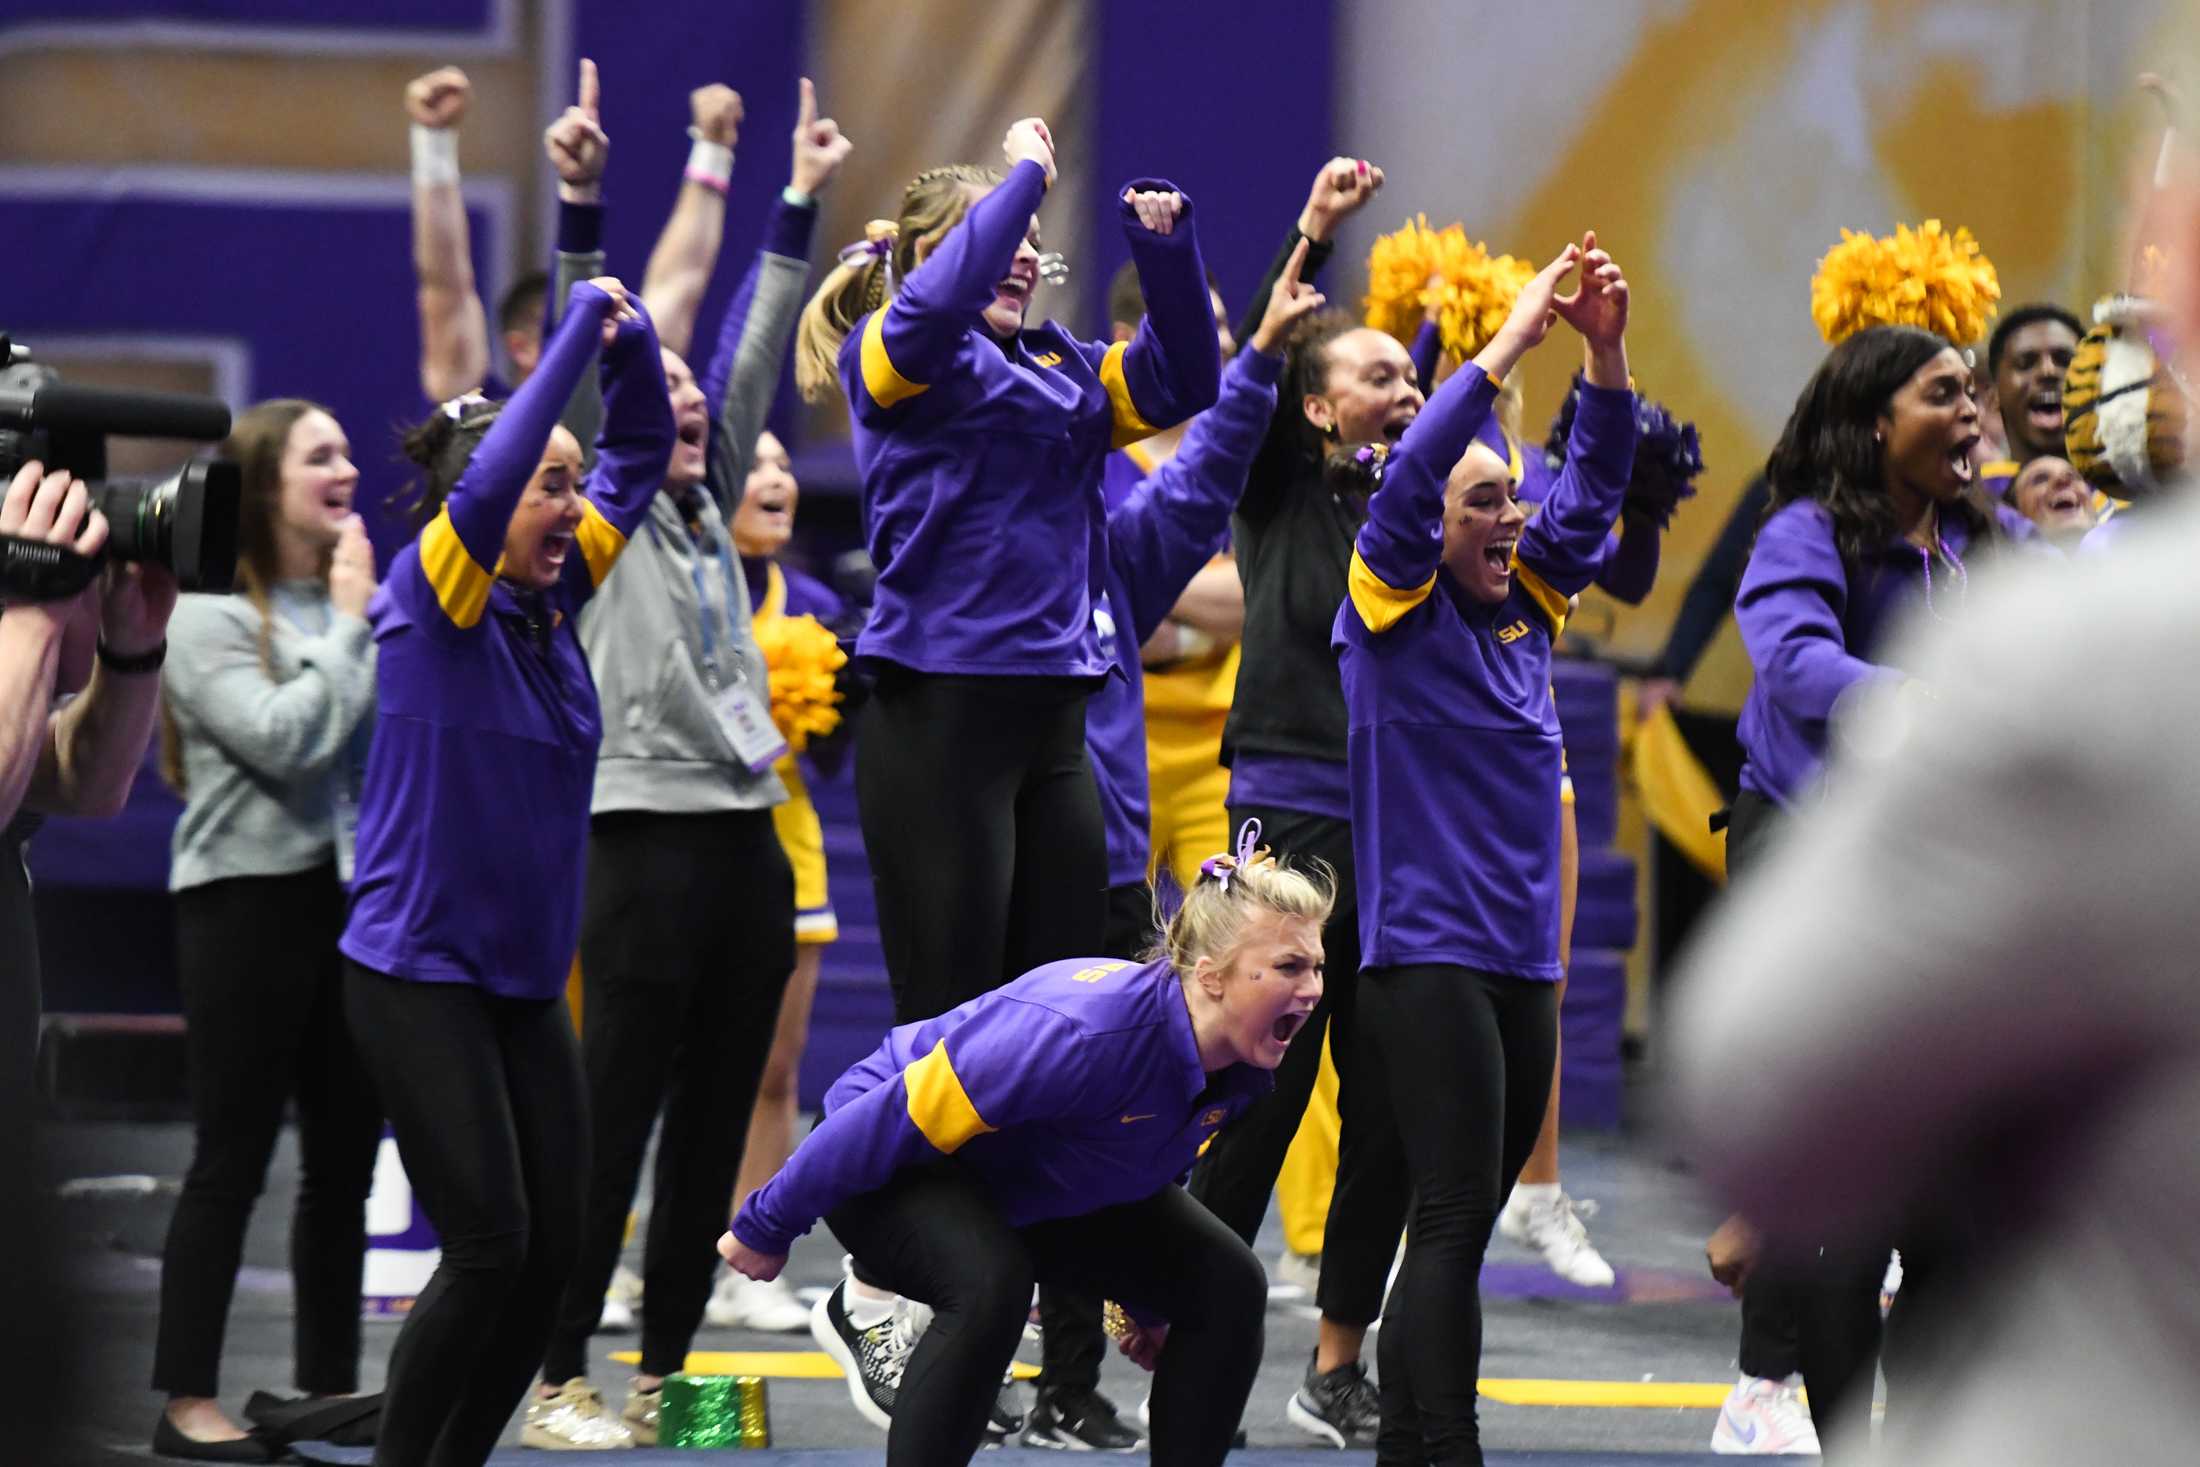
[743,1303]
[573,1420]
[1554,1229]
[619,1302]
[1765,1418]
[1302,1269]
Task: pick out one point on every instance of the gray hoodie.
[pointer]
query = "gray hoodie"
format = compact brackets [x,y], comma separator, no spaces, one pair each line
[677,600]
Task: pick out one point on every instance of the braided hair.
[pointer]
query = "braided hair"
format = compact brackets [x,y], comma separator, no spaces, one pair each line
[869,273]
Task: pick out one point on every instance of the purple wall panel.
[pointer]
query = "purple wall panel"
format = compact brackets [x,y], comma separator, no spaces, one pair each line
[753,46]
[1231,102]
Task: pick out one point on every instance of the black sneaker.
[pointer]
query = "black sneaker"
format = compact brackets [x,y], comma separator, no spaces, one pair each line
[1086,1423]
[871,1359]
[1339,1407]
[1007,1417]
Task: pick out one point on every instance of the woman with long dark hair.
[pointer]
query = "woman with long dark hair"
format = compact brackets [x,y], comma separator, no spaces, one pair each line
[268,698]
[1874,512]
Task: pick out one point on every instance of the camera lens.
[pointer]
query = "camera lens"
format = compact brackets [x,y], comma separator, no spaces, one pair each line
[187,522]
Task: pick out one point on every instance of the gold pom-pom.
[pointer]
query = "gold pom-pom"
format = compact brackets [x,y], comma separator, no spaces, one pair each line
[1399,268]
[1417,268]
[803,657]
[1923,277]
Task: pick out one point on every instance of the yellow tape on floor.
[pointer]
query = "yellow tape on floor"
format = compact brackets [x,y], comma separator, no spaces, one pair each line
[817,1365]
[1655,1393]
[773,1364]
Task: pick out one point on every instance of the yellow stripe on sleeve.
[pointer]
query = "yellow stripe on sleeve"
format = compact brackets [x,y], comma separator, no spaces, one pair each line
[939,1107]
[1553,606]
[460,584]
[600,541]
[880,376]
[1379,603]
[1130,426]
[2000,468]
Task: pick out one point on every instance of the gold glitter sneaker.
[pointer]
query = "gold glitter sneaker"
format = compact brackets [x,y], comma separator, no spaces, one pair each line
[575,1420]
[640,1414]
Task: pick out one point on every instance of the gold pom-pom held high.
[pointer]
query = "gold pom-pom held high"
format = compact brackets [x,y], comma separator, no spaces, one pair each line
[1924,277]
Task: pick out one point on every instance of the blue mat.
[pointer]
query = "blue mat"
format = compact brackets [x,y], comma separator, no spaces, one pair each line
[840,1457]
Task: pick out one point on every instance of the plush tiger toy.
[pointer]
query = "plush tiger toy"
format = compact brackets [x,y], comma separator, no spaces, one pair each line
[2123,415]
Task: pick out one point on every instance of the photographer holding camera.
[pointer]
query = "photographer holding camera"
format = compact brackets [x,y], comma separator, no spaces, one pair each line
[105,643]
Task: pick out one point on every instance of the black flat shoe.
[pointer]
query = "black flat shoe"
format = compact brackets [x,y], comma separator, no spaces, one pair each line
[169,1442]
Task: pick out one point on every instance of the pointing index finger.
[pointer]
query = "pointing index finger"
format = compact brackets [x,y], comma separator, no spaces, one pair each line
[806,111]
[590,89]
[1293,265]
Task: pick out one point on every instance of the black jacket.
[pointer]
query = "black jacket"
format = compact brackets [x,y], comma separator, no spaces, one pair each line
[1294,553]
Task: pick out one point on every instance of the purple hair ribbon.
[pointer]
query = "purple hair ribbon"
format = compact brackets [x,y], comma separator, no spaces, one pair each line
[1225,865]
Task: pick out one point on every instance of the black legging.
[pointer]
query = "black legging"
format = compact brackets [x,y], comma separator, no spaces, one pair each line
[1235,1177]
[1807,1310]
[263,1001]
[687,938]
[982,826]
[934,1235]
[485,1096]
[1469,1058]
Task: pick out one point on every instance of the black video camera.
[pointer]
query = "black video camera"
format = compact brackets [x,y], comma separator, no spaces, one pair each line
[186,520]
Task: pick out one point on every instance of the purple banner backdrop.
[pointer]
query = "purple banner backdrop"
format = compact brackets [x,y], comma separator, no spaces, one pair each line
[311,276]
[1233,103]
[754,46]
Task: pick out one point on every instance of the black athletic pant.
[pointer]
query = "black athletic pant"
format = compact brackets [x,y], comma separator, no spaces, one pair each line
[982,825]
[485,1096]
[934,1235]
[1131,932]
[1807,1309]
[1238,1173]
[687,938]
[263,1005]
[1468,1057]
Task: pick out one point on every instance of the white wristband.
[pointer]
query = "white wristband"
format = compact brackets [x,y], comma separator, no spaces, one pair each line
[710,163]
[435,154]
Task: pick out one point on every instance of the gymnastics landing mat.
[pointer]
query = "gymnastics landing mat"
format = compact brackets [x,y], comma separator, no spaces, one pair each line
[871,1457]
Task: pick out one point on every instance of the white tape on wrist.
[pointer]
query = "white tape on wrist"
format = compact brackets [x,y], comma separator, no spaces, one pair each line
[710,164]
[434,154]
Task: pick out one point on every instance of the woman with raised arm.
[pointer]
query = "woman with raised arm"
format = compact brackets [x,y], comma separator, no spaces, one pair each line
[1444,646]
[981,441]
[1038,1132]
[269,698]
[466,897]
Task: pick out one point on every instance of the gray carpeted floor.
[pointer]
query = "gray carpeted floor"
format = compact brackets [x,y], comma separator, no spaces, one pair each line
[1666,1322]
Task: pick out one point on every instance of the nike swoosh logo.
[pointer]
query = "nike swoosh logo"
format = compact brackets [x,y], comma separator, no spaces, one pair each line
[1746,1434]
[1147,1117]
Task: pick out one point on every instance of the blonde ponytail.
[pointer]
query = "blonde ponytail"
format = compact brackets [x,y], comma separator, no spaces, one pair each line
[870,273]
